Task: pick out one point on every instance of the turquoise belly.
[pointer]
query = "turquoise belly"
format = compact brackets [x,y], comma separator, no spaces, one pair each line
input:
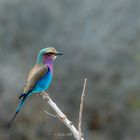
[44,83]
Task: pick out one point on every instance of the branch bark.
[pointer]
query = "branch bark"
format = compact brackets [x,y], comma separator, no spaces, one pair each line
[81,109]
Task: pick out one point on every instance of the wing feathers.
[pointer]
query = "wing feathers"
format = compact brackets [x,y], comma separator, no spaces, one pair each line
[34,76]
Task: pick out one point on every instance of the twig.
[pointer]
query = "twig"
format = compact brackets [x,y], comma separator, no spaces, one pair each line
[81,109]
[50,114]
[62,117]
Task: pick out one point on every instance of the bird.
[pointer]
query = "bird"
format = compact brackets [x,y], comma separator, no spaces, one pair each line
[39,78]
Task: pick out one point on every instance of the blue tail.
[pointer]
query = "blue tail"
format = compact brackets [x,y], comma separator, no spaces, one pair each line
[21,103]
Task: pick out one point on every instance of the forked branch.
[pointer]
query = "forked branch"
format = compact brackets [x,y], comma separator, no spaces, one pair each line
[63,118]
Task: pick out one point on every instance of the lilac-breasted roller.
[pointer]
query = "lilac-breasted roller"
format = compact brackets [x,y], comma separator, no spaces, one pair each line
[39,77]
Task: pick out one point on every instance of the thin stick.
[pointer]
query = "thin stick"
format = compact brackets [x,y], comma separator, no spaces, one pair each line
[81,109]
[62,117]
[50,114]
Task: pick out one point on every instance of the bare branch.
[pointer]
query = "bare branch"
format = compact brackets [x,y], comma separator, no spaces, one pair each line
[81,109]
[62,117]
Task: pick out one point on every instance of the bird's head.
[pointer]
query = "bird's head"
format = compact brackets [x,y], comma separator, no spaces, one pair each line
[49,53]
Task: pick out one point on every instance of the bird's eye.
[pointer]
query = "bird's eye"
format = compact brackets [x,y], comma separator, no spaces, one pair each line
[49,53]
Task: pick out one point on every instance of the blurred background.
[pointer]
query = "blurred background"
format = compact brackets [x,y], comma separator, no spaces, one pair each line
[100,40]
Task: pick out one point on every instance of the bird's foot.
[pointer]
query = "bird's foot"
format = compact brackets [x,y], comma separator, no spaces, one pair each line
[43,93]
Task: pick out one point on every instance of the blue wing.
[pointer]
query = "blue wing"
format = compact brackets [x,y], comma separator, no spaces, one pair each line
[40,85]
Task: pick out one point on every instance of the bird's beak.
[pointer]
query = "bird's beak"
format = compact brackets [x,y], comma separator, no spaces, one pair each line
[58,53]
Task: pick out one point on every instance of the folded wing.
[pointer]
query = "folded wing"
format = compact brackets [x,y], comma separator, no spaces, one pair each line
[36,74]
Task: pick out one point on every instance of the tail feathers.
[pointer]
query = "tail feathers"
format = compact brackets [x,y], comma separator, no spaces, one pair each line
[22,95]
[12,120]
[21,103]
[18,109]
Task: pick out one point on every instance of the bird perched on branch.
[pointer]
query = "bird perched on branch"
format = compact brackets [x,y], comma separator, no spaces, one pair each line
[39,77]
